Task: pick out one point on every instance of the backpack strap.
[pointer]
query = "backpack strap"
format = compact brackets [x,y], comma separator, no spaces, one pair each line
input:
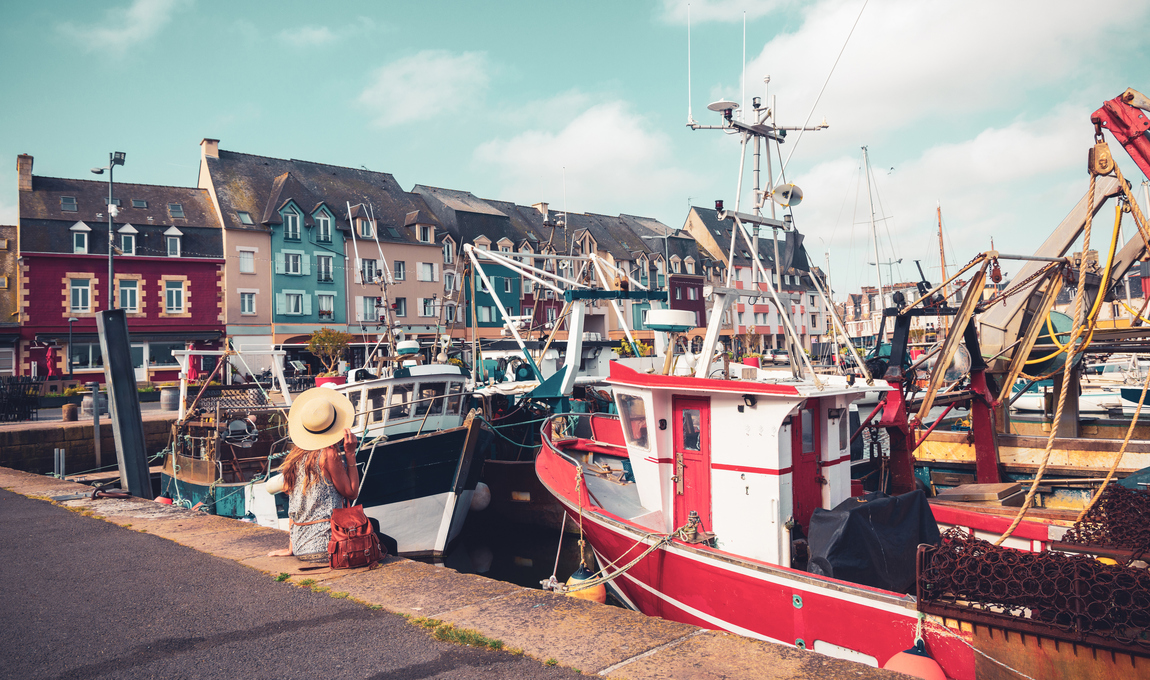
[294,523]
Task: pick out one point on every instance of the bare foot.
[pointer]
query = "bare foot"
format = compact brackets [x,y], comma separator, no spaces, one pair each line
[284,552]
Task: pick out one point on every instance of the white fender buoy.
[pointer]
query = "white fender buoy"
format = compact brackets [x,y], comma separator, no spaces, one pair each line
[480,498]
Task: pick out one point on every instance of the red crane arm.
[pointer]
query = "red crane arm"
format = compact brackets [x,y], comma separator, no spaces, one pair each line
[1125,117]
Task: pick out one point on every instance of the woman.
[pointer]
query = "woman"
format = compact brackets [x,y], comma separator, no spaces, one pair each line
[317,477]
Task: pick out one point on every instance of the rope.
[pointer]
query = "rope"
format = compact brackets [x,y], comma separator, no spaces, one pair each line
[1066,368]
[1121,452]
[1134,313]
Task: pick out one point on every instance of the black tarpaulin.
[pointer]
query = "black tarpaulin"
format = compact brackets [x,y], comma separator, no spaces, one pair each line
[872,539]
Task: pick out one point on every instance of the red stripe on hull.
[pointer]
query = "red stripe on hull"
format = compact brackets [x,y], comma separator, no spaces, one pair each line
[752,470]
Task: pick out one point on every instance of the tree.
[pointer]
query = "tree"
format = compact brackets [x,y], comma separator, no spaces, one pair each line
[329,345]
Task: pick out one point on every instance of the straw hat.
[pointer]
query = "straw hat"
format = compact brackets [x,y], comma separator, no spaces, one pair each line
[318,418]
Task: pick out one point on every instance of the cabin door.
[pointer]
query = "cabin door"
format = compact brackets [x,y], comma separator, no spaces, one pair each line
[807,488]
[692,445]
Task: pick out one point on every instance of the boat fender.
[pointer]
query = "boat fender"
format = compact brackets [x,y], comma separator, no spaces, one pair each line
[480,498]
[275,484]
[597,593]
[163,500]
[916,663]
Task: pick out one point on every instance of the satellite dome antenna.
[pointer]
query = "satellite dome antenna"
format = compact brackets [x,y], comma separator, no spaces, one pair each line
[725,107]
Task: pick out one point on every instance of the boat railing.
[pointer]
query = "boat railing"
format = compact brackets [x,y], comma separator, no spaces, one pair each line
[566,432]
[412,411]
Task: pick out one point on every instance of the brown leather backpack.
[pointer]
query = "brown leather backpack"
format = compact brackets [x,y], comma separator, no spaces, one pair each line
[353,541]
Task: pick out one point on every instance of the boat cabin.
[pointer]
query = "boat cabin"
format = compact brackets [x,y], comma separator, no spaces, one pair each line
[746,456]
[415,399]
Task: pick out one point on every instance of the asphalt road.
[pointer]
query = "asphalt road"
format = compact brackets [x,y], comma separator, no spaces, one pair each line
[83,598]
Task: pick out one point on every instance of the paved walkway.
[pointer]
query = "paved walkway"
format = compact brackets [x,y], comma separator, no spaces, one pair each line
[99,592]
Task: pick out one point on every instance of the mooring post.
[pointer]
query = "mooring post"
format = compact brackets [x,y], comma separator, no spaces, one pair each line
[95,387]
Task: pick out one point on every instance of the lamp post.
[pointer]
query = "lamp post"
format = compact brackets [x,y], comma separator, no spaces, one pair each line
[115,158]
[70,322]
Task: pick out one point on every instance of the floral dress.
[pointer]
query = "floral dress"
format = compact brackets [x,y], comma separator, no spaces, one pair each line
[309,541]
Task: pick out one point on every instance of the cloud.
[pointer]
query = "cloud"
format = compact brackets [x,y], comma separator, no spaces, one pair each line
[124,28]
[317,36]
[606,159]
[702,11]
[432,82]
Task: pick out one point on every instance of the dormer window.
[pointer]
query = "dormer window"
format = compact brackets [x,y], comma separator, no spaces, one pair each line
[365,227]
[245,217]
[68,203]
[172,239]
[448,252]
[424,233]
[291,225]
[80,238]
[127,239]
[176,210]
[323,228]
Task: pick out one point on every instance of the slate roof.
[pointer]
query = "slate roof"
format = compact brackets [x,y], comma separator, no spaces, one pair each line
[250,183]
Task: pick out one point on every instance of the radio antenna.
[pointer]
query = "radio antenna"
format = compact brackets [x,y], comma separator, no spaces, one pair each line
[690,116]
[743,109]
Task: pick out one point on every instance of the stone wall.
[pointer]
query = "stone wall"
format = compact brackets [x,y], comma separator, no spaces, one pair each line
[30,448]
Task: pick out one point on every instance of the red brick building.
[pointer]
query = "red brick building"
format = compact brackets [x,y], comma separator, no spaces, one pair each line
[169,276]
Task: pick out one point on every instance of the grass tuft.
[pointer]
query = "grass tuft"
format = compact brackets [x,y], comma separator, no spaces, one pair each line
[446,632]
[282,576]
[551,662]
[340,595]
[320,589]
[515,651]
[376,606]
[307,583]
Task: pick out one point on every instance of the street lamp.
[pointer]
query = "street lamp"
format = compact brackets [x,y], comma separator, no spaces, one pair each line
[115,158]
[70,322]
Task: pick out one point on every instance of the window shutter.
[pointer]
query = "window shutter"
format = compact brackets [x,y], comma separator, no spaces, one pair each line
[358,271]
[379,269]
[419,306]
[305,264]
[281,303]
[306,303]
[280,262]
[359,308]
[434,271]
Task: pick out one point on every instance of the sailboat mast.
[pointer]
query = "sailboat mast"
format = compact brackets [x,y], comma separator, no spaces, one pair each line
[942,260]
[874,238]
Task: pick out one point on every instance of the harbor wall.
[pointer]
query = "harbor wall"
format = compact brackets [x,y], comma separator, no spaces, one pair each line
[29,447]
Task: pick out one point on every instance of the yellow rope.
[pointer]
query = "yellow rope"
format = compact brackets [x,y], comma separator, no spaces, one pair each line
[1134,313]
[1066,367]
[1121,451]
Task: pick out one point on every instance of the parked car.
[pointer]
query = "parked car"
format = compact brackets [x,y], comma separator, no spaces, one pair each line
[779,356]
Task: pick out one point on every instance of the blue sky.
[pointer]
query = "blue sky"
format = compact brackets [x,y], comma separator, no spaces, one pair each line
[980,106]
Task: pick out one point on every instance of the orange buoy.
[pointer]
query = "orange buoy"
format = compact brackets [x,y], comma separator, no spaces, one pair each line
[596,593]
[163,500]
[915,662]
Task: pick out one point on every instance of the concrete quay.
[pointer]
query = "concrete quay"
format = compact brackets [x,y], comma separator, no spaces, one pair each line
[553,633]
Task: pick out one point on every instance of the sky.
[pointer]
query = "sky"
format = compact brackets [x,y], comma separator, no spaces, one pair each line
[980,108]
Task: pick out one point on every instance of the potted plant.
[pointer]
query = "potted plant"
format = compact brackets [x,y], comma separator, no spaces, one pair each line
[329,345]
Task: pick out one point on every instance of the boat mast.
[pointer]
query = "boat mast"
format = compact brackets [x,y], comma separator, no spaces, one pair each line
[942,259]
[874,238]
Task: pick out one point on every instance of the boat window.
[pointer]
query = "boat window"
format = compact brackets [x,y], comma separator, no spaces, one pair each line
[844,430]
[692,426]
[633,413]
[354,397]
[454,403]
[428,391]
[400,402]
[377,399]
[808,431]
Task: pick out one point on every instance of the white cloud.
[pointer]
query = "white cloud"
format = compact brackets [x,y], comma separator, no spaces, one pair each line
[702,11]
[433,82]
[125,27]
[316,36]
[609,159]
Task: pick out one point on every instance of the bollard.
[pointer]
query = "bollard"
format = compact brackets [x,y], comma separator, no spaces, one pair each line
[69,412]
[58,455]
[95,388]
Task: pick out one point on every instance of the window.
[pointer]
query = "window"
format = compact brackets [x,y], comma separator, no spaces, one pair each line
[85,356]
[293,303]
[247,303]
[81,295]
[399,270]
[428,307]
[128,244]
[449,281]
[323,228]
[367,271]
[68,203]
[292,263]
[174,297]
[505,249]
[633,413]
[551,314]
[326,306]
[425,233]
[484,314]
[814,320]
[291,225]
[130,295]
[428,403]
[690,266]
[401,306]
[393,232]
[115,201]
[175,210]
[507,285]
[245,217]
[675,266]
[449,313]
[448,255]
[812,299]
[137,203]
[160,353]
[323,267]
[426,272]
[692,293]
[80,242]
[370,309]
[173,246]
[365,228]
[400,402]
[247,262]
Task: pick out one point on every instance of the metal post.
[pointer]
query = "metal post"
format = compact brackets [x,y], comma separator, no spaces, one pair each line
[95,387]
[111,239]
[70,322]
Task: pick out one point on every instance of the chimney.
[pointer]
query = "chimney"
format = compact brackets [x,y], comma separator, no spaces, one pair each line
[24,169]
[210,148]
[542,208]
